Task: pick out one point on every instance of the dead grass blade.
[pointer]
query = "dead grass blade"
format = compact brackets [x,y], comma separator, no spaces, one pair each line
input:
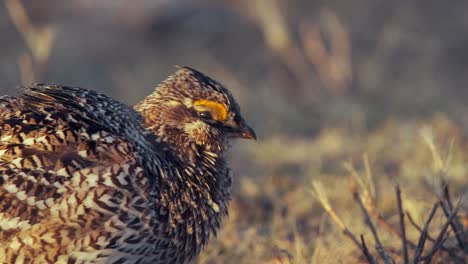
[39,41]
[318,191]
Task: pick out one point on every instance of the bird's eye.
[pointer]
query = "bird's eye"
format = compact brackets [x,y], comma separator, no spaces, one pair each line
[206,115]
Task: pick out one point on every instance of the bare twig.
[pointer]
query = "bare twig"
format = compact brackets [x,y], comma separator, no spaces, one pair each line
[456,226]
[437,245]
[451,251]
[440,238]
[424,233]
[366,252]
[404,243]
[417,227]
[380,249]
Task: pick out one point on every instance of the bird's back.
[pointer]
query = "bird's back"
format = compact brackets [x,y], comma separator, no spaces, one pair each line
[71,184]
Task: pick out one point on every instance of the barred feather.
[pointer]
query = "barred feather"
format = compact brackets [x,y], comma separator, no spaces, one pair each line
[87,179]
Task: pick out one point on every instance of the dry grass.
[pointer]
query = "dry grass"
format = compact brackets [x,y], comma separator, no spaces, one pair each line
[275,219]
[39,41]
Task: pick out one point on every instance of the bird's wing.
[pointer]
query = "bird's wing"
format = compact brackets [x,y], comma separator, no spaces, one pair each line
[61,174]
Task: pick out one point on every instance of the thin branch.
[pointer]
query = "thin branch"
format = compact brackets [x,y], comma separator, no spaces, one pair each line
[404,243]
[351,236]
[451,251]
[380,249]
[423,236]
[429,237]
[456,226]
[427,259]
[366,252]
[440,238]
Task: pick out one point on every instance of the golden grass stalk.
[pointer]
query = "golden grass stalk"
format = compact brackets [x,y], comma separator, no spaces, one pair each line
[39,41]
[318,191]
[270,18]
[333,65]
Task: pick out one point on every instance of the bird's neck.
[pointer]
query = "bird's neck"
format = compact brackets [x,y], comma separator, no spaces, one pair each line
[201,170]
[193,199]
[196,180]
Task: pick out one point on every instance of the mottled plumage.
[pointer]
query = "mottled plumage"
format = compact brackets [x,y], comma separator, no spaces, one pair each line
[87,179]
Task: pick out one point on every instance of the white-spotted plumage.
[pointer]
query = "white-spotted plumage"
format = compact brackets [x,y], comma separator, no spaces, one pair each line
[87,179]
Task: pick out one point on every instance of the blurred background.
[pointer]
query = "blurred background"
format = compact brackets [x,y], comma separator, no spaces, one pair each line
[332,88]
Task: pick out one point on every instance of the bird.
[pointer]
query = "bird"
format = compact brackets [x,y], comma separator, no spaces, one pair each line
[85,178]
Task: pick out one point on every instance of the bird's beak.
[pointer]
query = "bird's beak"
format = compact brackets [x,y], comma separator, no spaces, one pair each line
[240,130]
[247,132]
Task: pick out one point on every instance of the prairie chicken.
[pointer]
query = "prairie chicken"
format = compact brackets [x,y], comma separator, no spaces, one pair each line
[87,179]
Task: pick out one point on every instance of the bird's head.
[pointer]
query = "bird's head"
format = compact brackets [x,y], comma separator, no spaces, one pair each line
[191,110]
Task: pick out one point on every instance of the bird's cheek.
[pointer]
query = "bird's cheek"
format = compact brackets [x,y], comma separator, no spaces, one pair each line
[198,131]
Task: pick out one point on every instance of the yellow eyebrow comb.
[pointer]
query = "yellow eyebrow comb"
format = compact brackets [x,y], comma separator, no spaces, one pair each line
[218,110]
